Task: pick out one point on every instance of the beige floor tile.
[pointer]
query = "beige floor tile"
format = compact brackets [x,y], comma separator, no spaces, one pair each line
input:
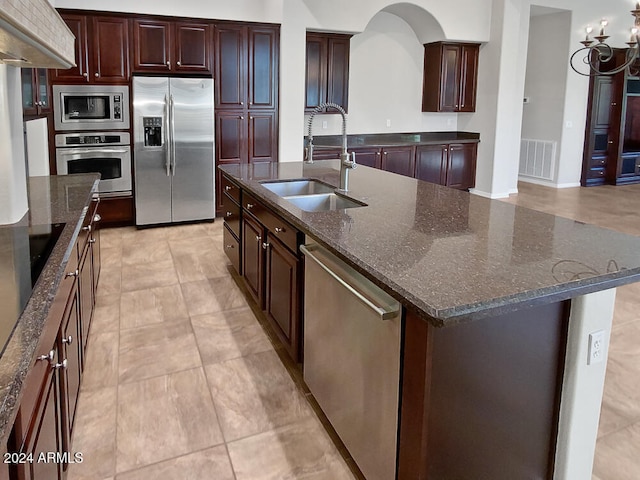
[195,230]
[164,417]
[106,316]
[95,434]
[152,306]
[148,275]
[101,365]
[212,463]
[111,238]
[110,258]
[618,456]
[145,252]
[110,282]
[150,235]
[212,295]
[226,335]
[202,246]
[298,450]
[192,267]
[254,394]
[154,350]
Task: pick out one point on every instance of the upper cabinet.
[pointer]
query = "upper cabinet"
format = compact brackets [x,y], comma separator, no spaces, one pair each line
[101,50]
[450,77]
[36,99]
[165,47]
[246,66]
[327,70]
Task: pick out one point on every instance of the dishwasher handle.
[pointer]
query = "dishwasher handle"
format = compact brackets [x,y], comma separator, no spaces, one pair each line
[384,312]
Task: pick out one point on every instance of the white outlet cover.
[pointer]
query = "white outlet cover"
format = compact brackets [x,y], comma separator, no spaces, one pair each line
[596,347]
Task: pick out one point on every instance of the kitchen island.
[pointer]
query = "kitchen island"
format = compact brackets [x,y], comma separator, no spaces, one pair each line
[499,303]
[59,204]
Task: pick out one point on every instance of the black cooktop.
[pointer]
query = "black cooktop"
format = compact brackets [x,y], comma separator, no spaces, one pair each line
[24,251]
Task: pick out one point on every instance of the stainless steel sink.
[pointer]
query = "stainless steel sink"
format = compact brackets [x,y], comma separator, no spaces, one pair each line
[322,202]
[298,187]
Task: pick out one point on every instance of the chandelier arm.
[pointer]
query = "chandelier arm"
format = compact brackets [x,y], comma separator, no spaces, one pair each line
[632,55]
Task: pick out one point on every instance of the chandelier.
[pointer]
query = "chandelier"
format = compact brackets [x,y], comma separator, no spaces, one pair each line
[597,51]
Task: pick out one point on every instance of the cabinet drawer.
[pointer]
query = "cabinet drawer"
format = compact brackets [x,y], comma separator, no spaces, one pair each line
[231,247]
[231,213]
[230,189]
[598,162]
[281,229]
[596,173]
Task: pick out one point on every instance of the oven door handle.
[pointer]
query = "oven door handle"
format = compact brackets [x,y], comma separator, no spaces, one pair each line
[173,132]
[167,137]
[76,151]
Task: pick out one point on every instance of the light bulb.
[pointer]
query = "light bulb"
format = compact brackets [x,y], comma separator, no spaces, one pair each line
[588,30]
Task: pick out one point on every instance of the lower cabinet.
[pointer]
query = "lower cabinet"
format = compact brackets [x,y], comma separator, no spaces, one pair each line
[253,258]
[398,160]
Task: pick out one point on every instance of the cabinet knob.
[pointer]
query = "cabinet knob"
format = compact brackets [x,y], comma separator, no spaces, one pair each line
[265,246]
[241,103]
[85,74]
[75,273]
[250,103]
[249,206]
[279,230]
[258,238]
[385,153]
[68,340]
[613,104]
[241,117]
[87,228]
[49,357]
[97,217]
[610,142]
[178,63]
[92,240]
[168,64]
[228,247]
[228,214]
[62,364]
[96,74]
[227,188]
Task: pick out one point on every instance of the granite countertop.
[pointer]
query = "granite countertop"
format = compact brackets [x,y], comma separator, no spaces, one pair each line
[55,199]
[396,139]
[449,255]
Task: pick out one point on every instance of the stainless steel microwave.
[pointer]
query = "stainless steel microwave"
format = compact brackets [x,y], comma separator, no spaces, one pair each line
[91,107]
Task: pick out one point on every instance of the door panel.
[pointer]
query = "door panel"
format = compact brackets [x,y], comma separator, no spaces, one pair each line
[462,166]
[192,47]
[110,50]
[263,137]
[231,67]
[151,45]
[371,157]
[78,26]
[338,72]
[316,82]
[450,78]
[431,163]
[263,59]
[398,160]
[253,258]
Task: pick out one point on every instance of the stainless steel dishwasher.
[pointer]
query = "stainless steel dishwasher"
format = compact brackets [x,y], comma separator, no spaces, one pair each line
[352,358]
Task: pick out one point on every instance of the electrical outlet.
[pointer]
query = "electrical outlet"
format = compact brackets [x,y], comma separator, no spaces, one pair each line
[388,122]
[596,347]
[324,124]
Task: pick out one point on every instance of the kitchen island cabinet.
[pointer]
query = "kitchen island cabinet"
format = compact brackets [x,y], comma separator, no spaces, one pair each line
[495,317]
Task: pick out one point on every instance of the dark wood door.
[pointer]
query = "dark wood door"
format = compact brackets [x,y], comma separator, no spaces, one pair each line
[282,302]
[263,136]
[110,46]
[338,70]
[468,77]
[316,71]
[94,244]
[253,258]
[151,46]
[29,92]
[86,296]
[431,163]
[230,66]
[370,157]
[192,47]
[263,67]
[231,136]
[449,78]
[399,160]
[78,73]
[461,166]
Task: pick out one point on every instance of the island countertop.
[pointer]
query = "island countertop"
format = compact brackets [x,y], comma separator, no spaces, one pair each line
[55,199]
[449,255]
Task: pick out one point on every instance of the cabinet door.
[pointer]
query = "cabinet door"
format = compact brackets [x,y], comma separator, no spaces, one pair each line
[431,163]
[94,244]
[263,136]
[316,71]
[449,78]
[29,92]
[371,157]
[110,45]
[86,296]
[338,70]
[461,167]
[78,73]
[231,66]
[192,47]
[263,67]
[43,97]
[282,304]
[231,137]
[151,46]
[253,258]
[468,78]
[398,160]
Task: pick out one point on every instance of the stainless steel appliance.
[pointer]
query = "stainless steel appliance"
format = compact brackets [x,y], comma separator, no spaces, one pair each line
[352,359]
[106,153]
[173,149]
[91,107]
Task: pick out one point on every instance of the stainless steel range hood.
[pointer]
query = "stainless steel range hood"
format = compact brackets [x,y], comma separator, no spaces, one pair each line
[32,34]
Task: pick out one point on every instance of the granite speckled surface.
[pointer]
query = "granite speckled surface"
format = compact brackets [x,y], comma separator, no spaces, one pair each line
[54,199]
[449,255]
[392,139]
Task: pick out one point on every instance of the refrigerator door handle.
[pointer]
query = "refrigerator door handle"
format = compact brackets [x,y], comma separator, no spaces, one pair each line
[167,141]
[173,132]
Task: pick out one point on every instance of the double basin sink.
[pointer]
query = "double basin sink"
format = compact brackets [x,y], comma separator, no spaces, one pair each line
[311,195]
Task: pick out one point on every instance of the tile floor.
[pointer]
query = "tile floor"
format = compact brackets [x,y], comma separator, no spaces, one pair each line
[181,381]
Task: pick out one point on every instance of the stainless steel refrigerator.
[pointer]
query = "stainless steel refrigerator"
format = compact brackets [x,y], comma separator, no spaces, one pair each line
[173,149]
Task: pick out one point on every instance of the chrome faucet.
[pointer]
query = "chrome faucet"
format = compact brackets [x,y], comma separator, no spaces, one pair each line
[347,161]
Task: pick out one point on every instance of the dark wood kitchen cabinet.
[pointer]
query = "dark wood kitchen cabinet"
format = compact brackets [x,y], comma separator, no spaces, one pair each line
[399,160]
[253,234]
[452,165]
[327,70]
[371,157]
[101,48]
[450,77]
[36,94]
[161,46]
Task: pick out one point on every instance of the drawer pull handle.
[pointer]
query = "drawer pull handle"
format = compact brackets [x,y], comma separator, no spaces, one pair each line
[227,188]
[48,357]
[68,340]
[249,206]
[72,274]
[279,230]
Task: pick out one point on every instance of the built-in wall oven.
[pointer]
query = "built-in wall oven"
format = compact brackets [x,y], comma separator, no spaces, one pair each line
[107,153]
[91,107]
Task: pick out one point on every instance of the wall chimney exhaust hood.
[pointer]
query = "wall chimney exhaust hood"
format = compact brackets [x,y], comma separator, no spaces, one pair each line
[32,34]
